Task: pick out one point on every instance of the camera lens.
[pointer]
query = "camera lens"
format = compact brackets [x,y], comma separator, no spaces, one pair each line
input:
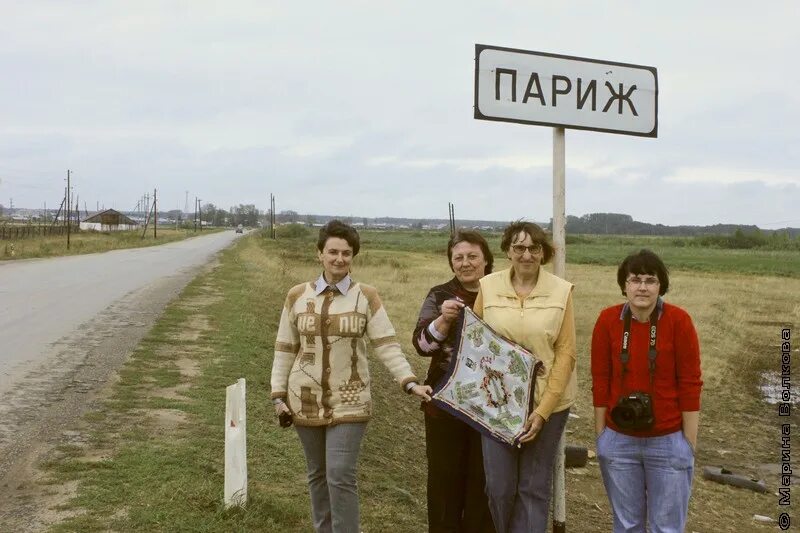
[633,412]
[623,416]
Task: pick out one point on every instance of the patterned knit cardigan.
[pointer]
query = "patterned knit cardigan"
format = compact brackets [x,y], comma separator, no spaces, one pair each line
[320,366]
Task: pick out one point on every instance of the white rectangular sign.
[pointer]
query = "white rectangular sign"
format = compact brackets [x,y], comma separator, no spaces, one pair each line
[572,92]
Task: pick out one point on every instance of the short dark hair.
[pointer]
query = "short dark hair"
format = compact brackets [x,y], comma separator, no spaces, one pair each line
[338,229]
[536,234]
[644,262]
[472,237]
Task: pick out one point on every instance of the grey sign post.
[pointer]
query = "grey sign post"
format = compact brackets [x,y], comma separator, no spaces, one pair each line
[562,91]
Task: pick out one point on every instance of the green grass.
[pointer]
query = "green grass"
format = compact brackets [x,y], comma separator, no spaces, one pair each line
[680,253]
[766,262]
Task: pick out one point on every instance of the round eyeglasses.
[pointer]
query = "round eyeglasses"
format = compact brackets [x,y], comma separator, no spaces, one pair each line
[520,249]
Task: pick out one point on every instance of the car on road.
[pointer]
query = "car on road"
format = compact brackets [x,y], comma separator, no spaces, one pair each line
[239,229]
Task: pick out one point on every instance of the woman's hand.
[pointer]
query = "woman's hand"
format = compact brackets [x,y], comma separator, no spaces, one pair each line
[281,407]
[532,426]
[451,309]
[423,391]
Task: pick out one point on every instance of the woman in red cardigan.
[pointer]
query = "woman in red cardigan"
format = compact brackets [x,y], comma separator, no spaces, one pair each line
[646,390]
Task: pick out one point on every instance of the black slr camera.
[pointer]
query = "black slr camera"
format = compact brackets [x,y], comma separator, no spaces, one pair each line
[634,411]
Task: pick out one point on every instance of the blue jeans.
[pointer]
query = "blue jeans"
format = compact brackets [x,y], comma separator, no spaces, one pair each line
[331,457]
[648,479]
[519,482]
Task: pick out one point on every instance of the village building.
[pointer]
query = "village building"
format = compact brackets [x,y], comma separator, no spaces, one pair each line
[108,220]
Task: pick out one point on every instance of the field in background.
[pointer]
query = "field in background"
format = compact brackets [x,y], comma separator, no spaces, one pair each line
[690,253]
[89,242]
[151,456]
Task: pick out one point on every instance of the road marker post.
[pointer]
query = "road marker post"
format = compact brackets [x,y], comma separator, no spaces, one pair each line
[236,444]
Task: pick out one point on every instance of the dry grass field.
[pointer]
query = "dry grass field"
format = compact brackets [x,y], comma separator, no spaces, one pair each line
[89,242]
[167,475]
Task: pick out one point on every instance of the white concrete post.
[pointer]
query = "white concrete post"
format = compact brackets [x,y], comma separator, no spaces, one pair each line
[559,269]
[236,444]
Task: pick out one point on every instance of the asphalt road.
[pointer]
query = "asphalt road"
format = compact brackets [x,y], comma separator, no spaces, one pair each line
[45,300]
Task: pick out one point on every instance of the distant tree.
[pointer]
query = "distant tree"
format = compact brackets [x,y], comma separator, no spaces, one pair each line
[365,222]
[174,214]
[288,216]
[221,218]
[311,220]
[247,215]
[209,212]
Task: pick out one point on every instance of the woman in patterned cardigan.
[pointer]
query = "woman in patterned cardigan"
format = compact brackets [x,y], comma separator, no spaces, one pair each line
[321,378]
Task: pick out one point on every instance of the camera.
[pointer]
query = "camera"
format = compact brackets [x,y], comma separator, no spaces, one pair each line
[285,419]
[634,411]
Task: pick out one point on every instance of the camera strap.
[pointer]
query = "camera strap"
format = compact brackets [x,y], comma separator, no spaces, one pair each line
[624,354]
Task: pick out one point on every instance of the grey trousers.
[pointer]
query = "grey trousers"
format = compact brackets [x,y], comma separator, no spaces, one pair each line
[519,481]
[331,460]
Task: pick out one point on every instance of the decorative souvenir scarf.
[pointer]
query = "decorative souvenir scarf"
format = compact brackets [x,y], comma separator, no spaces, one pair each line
[490,381]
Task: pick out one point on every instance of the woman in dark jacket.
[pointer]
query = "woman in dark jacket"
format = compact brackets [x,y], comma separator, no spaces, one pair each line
[457,502]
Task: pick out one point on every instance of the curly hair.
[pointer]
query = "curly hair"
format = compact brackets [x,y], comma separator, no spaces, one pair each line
[536,234]
[338,229]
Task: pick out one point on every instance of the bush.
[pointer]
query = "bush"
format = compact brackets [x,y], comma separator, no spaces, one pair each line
[292,231]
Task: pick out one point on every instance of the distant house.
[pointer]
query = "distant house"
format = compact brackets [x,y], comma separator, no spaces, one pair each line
[108,220]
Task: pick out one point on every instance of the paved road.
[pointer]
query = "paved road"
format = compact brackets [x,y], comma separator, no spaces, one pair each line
[45,300]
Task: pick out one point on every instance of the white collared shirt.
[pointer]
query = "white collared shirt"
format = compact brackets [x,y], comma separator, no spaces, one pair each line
[342,286]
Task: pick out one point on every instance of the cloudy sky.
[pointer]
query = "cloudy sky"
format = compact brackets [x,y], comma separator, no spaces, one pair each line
[365,108]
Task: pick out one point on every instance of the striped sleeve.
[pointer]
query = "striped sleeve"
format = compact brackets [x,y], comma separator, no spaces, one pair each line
[287,344]
[385,344]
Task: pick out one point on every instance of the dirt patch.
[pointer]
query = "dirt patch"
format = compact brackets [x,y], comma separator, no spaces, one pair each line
[178,392]
[210,296]
[193,329]
[164,419]
[188,367]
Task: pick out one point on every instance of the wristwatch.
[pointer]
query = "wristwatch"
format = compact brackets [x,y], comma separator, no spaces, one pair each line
[277,401]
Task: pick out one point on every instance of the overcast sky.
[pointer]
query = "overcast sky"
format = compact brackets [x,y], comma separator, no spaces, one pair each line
[366,108]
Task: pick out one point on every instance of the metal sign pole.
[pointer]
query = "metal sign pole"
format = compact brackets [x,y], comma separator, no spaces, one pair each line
[559,269]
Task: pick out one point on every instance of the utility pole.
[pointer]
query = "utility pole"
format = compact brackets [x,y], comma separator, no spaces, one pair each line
[155,214]
[272,216]
[69,214]
[200,213]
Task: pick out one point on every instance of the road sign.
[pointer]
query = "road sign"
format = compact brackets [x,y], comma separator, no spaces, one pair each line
[563,91]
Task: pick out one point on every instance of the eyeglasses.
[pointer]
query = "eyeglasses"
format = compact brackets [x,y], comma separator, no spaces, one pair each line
[636,282]
[520,249]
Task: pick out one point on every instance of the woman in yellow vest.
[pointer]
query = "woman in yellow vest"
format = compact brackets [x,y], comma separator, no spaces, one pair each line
[533,308]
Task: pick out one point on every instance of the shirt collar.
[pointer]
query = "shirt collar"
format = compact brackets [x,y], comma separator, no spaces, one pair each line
[343,285]
[659,306]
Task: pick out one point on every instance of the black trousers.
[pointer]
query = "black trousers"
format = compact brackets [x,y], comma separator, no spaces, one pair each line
[457,502]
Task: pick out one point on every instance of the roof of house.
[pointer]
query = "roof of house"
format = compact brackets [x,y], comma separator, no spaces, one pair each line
[104,216]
